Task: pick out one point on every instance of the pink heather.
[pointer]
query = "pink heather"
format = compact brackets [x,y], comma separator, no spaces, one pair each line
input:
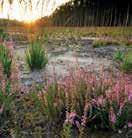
[112,116]
[130,124]
[130,96]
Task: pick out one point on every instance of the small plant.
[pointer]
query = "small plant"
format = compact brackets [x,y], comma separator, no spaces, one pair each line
[67,131]
[7,90]
[5,100]
[119,56]
[124,60]
[3,35]
[36,56]
[45,37]
[53,102]
[5,60]
[126,66]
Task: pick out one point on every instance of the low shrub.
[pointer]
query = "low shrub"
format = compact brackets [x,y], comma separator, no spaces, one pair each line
[71,107]
[36,57]
[88,102]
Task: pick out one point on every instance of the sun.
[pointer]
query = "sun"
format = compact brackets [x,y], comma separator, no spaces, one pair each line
[29,17]
[29,20]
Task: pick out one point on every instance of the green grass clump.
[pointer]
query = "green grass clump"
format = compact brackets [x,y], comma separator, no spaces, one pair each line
[6,97]
[127,66]
[53,102]
[5,60]
[3,35]
[127,62]
[124,60]
[119,56]
[36,56]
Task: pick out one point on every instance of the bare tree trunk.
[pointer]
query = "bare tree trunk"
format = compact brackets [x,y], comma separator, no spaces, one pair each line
[111,17]
[115,18]
[127,17]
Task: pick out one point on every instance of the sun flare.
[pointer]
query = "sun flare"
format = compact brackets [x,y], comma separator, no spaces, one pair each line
[29,13]
[29,19]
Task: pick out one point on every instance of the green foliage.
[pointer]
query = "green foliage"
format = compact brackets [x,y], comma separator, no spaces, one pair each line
[128,111]
[3,35]
[124,60]
[6,102]
[31,118]
[53,102]
[69,108]
[67,131]
[5,96]
[129,55]
[126,66]
[124,117]
[119,56]
[45,37]
[36,57]
[6,60]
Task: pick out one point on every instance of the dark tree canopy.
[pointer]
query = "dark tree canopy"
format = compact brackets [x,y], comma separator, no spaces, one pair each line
[94,13]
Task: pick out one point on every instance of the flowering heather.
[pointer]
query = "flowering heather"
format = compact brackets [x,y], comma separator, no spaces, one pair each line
[91,101]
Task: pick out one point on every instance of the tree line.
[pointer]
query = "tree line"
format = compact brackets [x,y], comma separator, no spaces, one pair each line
[93,13]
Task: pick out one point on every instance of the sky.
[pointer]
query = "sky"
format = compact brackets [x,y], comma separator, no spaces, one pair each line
[28,13]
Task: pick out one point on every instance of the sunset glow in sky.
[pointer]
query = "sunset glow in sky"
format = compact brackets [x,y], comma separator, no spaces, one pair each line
[24,12]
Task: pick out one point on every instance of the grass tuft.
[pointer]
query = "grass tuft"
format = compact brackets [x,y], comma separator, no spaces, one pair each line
[5,60]
[36,57]
[124,60]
